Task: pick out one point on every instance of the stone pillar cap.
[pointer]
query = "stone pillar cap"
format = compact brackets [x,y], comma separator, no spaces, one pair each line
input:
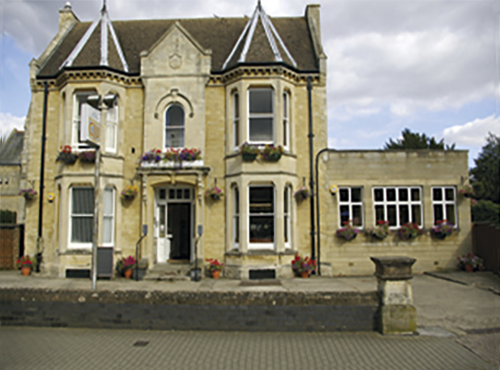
[393,267]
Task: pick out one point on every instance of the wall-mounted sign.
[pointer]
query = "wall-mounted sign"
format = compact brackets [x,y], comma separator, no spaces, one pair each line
[90,129]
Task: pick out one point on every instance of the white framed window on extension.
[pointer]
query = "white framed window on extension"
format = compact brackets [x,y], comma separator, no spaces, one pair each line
[108,217]
[261,216]
[398,205]
[261,116]
[351,206]
[444,204]
[79,100]
[81,217]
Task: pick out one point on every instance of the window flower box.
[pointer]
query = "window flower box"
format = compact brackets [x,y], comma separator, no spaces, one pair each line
[87,156]
[272,153]
[249,152]
[347,232]
[409,231]
[380,231]
[66,156]
[442,230]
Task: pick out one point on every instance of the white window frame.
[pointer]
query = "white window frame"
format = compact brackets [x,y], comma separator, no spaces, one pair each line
[350,203]
[236,217]
[71,244]
[236,120]
[287,217]
[286,120]
[443,203]
[257,245]
[261,115]
[112,127]
[79,98]
[174,127]
[109,192]
[399,203]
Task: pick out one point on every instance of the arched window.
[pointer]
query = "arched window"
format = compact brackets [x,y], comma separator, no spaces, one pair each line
[174,127]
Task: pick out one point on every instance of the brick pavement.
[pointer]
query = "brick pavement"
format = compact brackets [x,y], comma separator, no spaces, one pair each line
[54,349]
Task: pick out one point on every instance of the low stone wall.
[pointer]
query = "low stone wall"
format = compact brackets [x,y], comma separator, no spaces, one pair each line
[227,311]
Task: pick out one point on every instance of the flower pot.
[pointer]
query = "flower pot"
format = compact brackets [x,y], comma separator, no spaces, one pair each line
[440,235]
[29,196]
[248,157]
[304,275]
[273,157]
[128,197]
[25,270]
[215,196]
[215,274]
[128,273]
[469,268]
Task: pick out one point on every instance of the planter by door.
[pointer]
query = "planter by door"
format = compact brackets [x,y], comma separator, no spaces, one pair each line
[128,273]
[25,271]
[304,275]
[216,274]
[469,268]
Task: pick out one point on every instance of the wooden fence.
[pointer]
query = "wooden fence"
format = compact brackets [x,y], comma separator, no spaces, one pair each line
[486,244]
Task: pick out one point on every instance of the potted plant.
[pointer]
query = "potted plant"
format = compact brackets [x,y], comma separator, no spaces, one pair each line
[409,231]
[87,156]
[467,191]
[215,193]
[129,192]
[470,262]
[303,266]
[379,231]
[347,232]
[249,152]
[443,229]
[25,264]
[302,193]
[154,155]
[125,266]
[272,153]
[28,194]
[215,267]
[66,156]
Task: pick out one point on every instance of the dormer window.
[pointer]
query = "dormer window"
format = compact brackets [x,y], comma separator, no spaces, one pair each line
[174,127]
[261,116]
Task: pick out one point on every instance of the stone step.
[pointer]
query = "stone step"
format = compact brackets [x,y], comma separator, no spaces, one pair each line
[169,272]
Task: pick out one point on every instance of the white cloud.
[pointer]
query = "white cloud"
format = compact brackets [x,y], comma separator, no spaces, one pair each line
[8,123]
[472,133]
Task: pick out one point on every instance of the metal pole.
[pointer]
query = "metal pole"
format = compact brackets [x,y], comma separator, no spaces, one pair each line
[96,217]
[317,209]
[311,169]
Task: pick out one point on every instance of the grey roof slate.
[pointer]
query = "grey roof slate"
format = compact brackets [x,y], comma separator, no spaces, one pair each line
[11,149]
[216,34]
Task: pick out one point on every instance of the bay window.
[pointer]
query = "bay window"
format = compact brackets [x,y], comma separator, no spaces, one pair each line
[82,216]
[261,216]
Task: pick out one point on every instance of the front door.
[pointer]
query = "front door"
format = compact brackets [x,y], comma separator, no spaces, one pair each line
[174,224]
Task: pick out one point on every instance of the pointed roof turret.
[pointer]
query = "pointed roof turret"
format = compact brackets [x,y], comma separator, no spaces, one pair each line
[259,39]
[107,30]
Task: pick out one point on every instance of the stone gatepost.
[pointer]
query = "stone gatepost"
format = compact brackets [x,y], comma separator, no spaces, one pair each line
[397,315]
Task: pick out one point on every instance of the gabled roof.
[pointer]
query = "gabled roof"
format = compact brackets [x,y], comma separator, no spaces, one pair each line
[11,149]
[220,35]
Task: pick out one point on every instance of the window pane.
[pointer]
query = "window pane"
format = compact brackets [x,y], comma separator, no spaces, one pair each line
[449,194]
[174,138]
[391,194]
[236,229]
[356,195]
[286,229]
[438,213]
[108,202]
[161,211]
[261,101]
[344,195]
[261,200]
[391,215]
[285,200]
[171,194]
[450,214]
[236,201]
[81,229]
[379,213]
[261,229]
[344,214]
[404,214]
[83,201]
[285,105]
[236,106]
[356,216]
[379,195]
[437,194]
[403,194]
[179,194]
[175,116]
[415,194]
[107,228]
[261,129]
[187,194]
[416,214]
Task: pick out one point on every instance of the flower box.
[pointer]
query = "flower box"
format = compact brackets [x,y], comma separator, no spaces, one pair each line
[87,156]
[442,230]
[380,231]
[249,152]
[272,153]
[409,231]
[66,156]
[347,232]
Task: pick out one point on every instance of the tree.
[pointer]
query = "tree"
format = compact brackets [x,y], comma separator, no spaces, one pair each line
[485,179]
[415,140]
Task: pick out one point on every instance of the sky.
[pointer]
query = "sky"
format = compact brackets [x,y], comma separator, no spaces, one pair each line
[430,66]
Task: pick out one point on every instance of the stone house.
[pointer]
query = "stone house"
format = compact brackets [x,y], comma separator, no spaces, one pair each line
[166,91]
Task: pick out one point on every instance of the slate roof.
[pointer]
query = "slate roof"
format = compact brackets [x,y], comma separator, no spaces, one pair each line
[11,150]
[219,35]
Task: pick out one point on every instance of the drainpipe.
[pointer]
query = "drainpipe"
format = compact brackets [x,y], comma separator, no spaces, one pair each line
[42,173]
[311,169]
[317,209]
